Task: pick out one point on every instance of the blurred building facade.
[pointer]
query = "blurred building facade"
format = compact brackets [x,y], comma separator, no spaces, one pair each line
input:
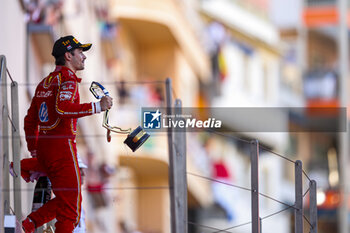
[245,54]
[311,72]
[156,41]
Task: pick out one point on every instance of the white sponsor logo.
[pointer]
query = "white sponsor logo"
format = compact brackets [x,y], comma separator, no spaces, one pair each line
[65,95]
[67,87]
[44,94]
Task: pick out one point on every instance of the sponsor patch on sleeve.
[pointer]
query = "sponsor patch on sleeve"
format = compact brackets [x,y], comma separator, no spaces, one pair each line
[65,95]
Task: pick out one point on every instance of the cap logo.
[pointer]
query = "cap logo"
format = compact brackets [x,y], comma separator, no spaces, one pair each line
[69,47]
[76,41]
[66,42]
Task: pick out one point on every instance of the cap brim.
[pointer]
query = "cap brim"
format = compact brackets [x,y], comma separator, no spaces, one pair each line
[85,47]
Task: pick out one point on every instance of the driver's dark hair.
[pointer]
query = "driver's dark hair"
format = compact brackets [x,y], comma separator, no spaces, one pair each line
[60,60]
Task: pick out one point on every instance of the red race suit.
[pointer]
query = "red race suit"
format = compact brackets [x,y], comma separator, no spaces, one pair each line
[50,128]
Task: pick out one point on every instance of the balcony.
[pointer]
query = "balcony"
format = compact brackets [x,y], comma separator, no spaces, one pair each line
[317,3]
[318,13]
[159,22]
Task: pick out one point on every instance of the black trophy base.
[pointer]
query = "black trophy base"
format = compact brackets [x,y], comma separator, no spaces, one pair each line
[136,138]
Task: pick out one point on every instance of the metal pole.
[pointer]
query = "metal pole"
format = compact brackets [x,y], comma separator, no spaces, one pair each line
[2,59]
[180,175]
[5,204]
[313,206]
[298,212]
[2,140]
[260,224]
[254,161]
[171,170]
[16,150]
[343,136]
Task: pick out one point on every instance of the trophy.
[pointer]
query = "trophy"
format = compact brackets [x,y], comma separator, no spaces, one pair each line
[135,137]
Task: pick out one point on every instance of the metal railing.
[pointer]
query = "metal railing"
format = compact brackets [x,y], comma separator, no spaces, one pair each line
[13,122]
[178,184]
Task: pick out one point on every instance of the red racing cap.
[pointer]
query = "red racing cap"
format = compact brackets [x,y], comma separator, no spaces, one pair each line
[67,44]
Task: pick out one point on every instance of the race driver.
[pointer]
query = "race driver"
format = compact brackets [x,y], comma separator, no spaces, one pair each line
[50,128]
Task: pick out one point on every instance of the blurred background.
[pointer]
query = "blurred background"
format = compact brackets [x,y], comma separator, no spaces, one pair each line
[218,53]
